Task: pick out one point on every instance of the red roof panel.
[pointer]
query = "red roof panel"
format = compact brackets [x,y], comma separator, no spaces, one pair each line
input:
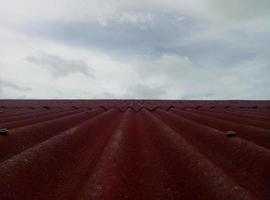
[134,149]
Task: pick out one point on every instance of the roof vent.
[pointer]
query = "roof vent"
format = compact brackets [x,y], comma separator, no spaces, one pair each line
[230,134]
[4,131]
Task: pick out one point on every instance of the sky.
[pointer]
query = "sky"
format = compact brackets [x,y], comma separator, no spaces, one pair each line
[140,49]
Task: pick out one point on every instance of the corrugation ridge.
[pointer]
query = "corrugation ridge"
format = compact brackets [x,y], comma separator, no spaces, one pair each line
[123,173]
[68,186]
[124,109]
[80,181]
[239,120]
[161,154]
[253,134]
[22,111]
[32,115]
[103,180]
[40,167]
[37,119]
[252,112]
[245,160]
[257,111]
[241,115]
[153,178]
[243,105]
[104,108]
[160,187]
[149,108]
[209,181]
[26,115]
[25,137]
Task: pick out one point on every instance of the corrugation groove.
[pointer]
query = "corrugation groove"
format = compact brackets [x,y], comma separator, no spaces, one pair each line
[230,117]
[17,112]
[196,170]
[37,118]
[262,136]
[32,115]
[245,161]
[25,137]
[134,149]
[21,116]
[245,115]
[40,168]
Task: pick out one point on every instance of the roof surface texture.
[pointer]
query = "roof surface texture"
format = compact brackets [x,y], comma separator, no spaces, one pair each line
[134,149]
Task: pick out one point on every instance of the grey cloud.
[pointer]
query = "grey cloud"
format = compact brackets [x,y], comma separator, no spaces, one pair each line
[61,67]
[209,49]
[163,34]
[178,76]
[168,65]
[241,9]
[153,37]
[105,95]
[145,91]
[4,84]
[8,85]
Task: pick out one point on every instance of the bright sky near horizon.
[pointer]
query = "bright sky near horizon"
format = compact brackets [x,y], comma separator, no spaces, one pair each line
[150,49]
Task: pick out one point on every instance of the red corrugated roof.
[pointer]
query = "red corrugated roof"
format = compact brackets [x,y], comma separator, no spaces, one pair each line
[134,149]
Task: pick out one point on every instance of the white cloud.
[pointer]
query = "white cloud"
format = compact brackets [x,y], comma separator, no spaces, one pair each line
[134,49]
[111,76]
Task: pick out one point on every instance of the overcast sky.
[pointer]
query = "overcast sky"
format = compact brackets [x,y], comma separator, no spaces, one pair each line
[162,49]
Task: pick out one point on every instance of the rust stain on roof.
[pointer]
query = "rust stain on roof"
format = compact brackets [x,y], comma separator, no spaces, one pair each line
[134,149]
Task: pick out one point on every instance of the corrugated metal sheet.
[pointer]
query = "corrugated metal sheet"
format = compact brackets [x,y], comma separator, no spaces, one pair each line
[134,149]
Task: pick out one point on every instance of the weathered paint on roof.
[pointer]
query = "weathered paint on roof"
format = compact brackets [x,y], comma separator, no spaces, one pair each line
[134,149]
